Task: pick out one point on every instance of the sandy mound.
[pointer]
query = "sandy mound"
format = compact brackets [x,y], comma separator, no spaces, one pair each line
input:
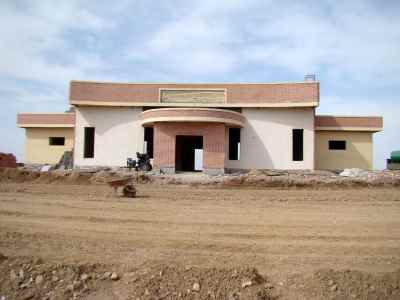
[177,282]
[65,177]
[27,278]
[254,178]
[23,278]
[349,284]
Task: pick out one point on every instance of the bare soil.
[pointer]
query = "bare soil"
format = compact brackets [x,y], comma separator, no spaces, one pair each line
[181,242]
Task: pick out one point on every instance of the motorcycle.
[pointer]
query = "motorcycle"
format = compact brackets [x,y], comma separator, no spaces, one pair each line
[141,164]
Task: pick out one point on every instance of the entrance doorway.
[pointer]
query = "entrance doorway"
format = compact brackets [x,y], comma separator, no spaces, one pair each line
[189,153]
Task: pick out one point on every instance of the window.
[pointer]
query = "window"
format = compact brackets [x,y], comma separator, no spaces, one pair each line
[56,141]
[297,136]
[337,145]
[88,151]
[234,143]
[148,139]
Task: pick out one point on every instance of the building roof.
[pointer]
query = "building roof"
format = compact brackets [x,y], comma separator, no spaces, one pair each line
[301,94]
[349,123]
[25,120]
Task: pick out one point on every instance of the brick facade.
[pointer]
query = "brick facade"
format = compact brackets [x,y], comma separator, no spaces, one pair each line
[43,119]
[237,94]
[213,143]
[348,121]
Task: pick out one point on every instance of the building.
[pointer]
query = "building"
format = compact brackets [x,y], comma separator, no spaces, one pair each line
[209,127]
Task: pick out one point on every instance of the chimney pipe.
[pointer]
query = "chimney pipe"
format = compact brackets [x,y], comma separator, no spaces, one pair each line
[309,77]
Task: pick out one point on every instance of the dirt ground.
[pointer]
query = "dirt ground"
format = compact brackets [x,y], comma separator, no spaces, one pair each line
[184,242]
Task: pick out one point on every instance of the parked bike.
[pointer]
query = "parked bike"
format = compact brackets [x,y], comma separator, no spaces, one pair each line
[141,164]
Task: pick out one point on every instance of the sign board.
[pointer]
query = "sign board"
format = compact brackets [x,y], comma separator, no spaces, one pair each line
[192,96]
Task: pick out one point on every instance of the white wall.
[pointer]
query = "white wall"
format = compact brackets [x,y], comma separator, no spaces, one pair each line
[266,139]
[118,135]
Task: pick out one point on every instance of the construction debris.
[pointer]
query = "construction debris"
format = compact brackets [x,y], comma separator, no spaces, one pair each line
[129,191]
[354,172]
[66,161]
[8,160]
[254,178]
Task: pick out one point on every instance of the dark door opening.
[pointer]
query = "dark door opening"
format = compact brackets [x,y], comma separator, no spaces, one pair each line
[185,152]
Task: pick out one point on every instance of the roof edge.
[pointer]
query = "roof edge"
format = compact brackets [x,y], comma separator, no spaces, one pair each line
[193,83]
[348,123]
[350,116]
[348,128]
[46,113]
[47,125]
[213,105]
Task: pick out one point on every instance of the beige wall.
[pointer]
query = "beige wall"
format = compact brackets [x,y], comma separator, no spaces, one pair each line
[358,153]
[37,148]
[118,135]
[266,139]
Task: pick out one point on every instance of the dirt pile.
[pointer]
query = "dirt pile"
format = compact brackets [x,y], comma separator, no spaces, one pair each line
[300,178]
[23,278]
[254,178]
[67,176]
[29,278]
[178,282]
[23,175]
[348,284]
[283,179]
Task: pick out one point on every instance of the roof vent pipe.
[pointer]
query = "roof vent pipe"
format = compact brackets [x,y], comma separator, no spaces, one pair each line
[309,77]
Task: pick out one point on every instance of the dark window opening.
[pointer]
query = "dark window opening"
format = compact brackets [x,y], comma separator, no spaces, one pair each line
[148,138]
[56,141]
[89,143]
[337,145]
[297,144]
[234,143]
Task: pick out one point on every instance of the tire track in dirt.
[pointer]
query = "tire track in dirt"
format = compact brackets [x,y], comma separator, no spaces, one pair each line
[281,229]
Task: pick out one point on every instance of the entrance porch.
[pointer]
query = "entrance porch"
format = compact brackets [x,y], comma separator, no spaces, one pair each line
[183,137]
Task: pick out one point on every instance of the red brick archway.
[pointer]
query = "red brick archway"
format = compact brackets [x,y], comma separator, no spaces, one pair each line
[213,144]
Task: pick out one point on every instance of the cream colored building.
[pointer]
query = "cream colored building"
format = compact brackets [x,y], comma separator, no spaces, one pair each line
[356,137]
[47,136]
[224,126]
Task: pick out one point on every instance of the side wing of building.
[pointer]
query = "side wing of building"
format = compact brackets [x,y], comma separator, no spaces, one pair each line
[47,136]
[345,141]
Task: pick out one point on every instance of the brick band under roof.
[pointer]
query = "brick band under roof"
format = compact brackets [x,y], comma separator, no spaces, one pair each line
[349,122]
[46,120]
[237,94]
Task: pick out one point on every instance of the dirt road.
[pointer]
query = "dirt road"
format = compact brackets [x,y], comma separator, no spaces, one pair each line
[281,232]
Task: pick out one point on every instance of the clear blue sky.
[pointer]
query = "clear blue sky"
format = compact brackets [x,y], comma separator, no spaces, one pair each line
[352,46]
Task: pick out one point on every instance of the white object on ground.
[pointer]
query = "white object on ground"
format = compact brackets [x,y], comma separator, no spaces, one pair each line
[45,168]
[354,172]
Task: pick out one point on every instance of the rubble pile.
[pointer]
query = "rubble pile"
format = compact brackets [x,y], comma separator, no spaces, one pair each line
[253,178]
[7,160]
[27,278]
[348,284]
[23,278]
[190,282]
